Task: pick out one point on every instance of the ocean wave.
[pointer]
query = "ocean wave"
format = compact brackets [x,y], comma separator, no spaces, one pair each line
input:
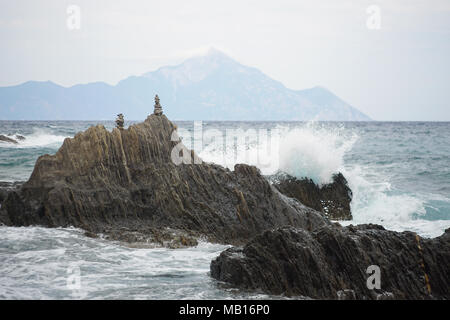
[46,262]
[317,151]
[311,150]
[38,138]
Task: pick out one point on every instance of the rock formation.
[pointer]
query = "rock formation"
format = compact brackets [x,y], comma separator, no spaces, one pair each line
[158,109]
[331,263]
[7,139]
[120,121]
[124,184]
[332,199]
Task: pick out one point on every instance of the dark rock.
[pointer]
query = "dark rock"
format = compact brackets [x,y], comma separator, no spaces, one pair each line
[91,234]
[6,187]
[346,294]
[333,199]
[331,263]
[7,139]
[19,137]
[153,237]
[104,181]
[158,108]
[120,121]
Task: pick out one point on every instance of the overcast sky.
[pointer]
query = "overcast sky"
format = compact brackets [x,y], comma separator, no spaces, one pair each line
[400,71]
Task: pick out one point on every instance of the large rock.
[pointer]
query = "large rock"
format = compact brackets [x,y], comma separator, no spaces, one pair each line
[331,263]
[332,199]
[124,184]
[19,137]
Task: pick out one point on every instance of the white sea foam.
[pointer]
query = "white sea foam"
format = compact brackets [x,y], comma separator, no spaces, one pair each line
[375,201]
[315,151]
[310,150]
[39,263]
[38,138]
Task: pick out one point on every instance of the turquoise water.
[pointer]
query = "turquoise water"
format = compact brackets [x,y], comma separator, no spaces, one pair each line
[399,174]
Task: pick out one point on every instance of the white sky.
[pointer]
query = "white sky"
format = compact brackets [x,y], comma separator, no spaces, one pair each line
[400,72]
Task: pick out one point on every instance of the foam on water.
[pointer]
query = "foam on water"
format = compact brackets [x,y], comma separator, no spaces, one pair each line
[315,151]
[43,263]
[38,138]
[377,202]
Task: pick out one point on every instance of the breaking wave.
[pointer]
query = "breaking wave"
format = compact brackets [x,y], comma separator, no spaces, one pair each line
[317,151]
[38,138]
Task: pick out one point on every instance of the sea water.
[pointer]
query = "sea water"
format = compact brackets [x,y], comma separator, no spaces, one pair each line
[399,173]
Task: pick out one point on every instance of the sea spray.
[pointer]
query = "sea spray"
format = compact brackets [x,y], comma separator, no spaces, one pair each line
[311,150]
[39,137]
[315,151]
[376,201]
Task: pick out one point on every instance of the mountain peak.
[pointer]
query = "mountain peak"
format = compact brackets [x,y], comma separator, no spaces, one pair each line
[212,55]
[213,52]
[195,68]
[209,85]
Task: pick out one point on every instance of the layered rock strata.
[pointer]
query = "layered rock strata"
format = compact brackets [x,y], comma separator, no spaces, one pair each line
[124,184]
[334,262]
[333,199]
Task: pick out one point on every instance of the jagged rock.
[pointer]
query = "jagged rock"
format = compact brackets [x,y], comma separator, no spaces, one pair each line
[154,237]
[333,199]
[331,263]
[7,139]
[105,181]
[120,121]
[19,137]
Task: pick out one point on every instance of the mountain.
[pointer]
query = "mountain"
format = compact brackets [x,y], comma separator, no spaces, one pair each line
[209,87]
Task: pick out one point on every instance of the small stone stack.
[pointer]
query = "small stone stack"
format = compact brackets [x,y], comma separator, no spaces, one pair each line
[120,121]
[158,109]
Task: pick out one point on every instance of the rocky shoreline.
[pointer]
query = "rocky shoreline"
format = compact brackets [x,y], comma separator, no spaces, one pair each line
[124,185]
[332,261]
[107,182]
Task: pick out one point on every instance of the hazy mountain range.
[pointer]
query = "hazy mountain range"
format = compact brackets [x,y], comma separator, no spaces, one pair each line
[209,87]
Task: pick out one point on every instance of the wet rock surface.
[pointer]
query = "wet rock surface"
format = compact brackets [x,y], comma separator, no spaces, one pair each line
[331,263]
[7,139]
[155,237]
[332,199]
[107,182]
[6,187]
